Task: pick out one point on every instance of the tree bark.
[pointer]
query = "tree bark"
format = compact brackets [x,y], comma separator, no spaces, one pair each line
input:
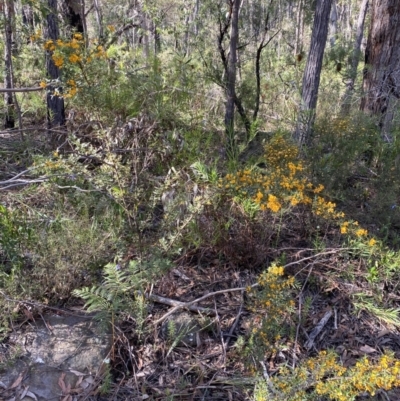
[298,49]
[99,18]
[55,103]
[312,73]
[346,101]
[333,24]
[9,97]
[231,71]
[381,84]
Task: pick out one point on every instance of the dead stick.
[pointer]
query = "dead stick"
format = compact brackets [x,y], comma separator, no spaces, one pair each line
[8,90]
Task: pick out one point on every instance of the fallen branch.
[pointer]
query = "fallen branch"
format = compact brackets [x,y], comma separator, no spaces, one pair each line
[8,90]
[189,305]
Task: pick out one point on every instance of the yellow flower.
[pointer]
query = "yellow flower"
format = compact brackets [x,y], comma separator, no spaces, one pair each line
[259,197]
[276,270]
[42,84]
[361,231]
[78,36]
[372,242]
[58,60]
[319,189]
[273,203]
[74,44]
[49,45]
[74,58]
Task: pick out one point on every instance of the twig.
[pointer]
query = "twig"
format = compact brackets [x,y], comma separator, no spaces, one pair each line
[234,324]
[23,182]
[313,335]
[267,379]
[298,326]
[34,89]
[177,305]
[18,175]
[223,345]
[189,305]
[335,250]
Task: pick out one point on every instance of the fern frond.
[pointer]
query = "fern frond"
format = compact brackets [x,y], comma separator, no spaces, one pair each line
[94,297]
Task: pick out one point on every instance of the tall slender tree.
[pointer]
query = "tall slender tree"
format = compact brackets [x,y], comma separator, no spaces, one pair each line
[346,101]
[312,72]
[381,82]
[231,71]
[55,101]
[9,97]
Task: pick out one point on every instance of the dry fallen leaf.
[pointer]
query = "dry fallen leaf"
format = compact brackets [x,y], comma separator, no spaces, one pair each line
[17,382]
[23,394]
[367,349]
[76,373]
[31,395]
[61,383]
[29,315]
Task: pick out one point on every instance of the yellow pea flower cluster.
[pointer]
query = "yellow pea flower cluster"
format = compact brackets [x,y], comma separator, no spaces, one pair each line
[325,376]
[271,300]
[74,57]
[70,50]
[282,185]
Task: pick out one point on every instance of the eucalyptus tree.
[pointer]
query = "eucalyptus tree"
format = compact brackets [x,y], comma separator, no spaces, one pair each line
[312,73]
[231,70]
[354,59]
[55,100]
[381,84]
[9,29]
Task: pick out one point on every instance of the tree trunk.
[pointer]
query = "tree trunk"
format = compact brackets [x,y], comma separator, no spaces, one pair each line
[312,73]
[333,24]
[84,22]
[298,49]
[27,17]
[381,82]
[9,17]
[346,101]
[99,18]
[231,71]
[55,103]
[72,10]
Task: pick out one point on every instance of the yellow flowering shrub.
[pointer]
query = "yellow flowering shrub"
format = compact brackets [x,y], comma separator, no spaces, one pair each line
[74,58]
[271,298]
[325,376]
[284,185]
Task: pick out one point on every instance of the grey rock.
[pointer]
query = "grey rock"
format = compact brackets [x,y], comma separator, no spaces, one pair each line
[66,347]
